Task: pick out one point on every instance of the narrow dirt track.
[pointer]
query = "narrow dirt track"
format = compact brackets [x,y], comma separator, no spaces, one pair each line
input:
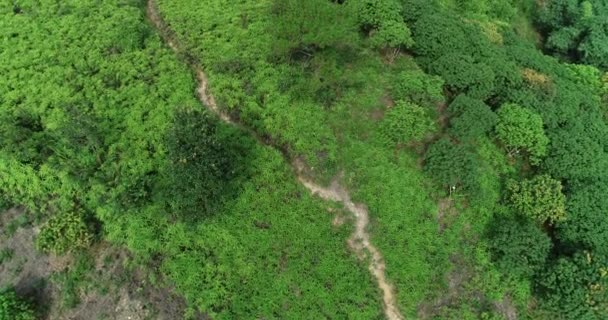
[359,241]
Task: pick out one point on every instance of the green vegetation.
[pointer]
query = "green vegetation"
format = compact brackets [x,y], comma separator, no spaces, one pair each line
[576,30]
[518,129]
[64,232]
[482,161]
[539,198]
[13,307]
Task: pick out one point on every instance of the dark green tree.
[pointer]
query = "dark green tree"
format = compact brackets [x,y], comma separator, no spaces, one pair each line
[576,287]
[587,223]
[472,118]
[463,75]
[577,29]
[518,245]
[452,165]
[199,165]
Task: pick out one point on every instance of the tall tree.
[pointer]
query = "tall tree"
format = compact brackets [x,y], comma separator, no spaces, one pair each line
[520,129]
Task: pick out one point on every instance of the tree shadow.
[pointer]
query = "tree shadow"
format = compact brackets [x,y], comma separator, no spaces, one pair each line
[208,164]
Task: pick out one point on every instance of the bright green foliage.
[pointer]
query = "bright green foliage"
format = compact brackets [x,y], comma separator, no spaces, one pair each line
[521,129]
[472,118]
[14,308]
[418,87]
[577,29]
[64,232]
[518,245]
[539,198]
[406,122]
[575,287]
[382,20]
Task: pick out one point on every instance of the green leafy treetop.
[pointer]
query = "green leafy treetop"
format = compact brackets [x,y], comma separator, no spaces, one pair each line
[518,245]
[382,20]
[521,129]
[14,308]
[540,198]
[574,287]
[406,122]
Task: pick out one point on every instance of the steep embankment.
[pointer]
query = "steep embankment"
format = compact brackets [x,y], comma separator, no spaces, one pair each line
[359,241]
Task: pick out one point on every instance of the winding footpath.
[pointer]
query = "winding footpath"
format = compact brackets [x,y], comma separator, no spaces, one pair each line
[359,241]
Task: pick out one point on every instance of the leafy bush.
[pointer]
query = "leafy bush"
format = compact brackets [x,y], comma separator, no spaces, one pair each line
[418,87]
[14,308]
[521,129]
[382,20]
[302,27]
[64,232]
[539,198]
[406,122]
[452,165]
[472,118]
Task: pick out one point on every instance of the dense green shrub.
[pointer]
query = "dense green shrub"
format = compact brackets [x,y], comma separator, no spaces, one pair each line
[406,122]
[64,232]
[587,223]
[520,129]
[14,308]
[383,22]
[418,87]
[436,35]
[452,165]
[578,148]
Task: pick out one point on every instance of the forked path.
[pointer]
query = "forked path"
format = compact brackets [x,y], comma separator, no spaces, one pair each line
[359,241]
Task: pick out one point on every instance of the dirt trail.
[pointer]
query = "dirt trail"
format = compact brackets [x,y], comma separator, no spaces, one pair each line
[359,241]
